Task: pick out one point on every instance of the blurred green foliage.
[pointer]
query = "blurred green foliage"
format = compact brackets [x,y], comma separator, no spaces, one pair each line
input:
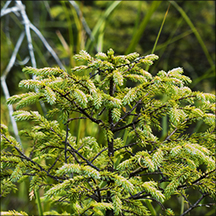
[177,45]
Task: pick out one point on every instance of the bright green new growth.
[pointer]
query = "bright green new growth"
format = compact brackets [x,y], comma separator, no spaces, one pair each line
[116,176]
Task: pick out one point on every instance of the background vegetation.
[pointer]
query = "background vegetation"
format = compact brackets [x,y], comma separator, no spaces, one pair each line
[181,34]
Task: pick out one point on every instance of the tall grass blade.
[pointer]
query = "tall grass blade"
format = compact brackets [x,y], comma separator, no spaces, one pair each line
[206,75]
[82,19]
[170,41]
[70,32]
[156,41]
[142,26]
[182,205]
[193,28]
[125,136]
[162,47]
[100,38]
[79,31]
[99,24]
[151,208]
[137,18]
[37,195]
[78,130]
[164,127]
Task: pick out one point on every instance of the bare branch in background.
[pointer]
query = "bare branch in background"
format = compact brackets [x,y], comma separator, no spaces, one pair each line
[4,84]
[4,7]
[48,47]
[20,10]
[85,25]
[195,204]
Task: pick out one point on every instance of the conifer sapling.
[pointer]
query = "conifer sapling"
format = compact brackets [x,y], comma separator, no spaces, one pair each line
[127,168]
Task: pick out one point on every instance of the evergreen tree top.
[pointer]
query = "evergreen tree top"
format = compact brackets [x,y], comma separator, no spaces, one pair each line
[116,175]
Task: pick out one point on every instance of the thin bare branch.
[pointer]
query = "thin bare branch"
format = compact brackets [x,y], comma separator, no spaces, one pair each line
[5,88]
[54,162]
[85,25]
[197,180]
[128,125]
[98,154]
[126,146]
[195,204]
[49,48]
[129,112]
[10,108]
[5,7]
[71,119]
[13,56]
[9,10]
[80,155]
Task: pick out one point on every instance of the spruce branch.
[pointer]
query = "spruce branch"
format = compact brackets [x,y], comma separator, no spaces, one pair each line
[138,136]
[92,195]
[131,153]
[167,103]
[110,148]
[197,180]
[137,171]
[97,190]
[51,146]
[33,162]
[132,63]
[213,130]
[78,81]
[110,120]
[150,173]
[66,143]
[62,199]
[97,121]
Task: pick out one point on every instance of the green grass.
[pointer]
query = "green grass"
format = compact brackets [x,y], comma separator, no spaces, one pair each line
[159,33]
[139,31]
[196,33]
[99,27]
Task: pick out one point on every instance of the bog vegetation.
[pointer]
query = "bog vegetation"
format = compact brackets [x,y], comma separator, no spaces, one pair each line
[132,170]
[103,133]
